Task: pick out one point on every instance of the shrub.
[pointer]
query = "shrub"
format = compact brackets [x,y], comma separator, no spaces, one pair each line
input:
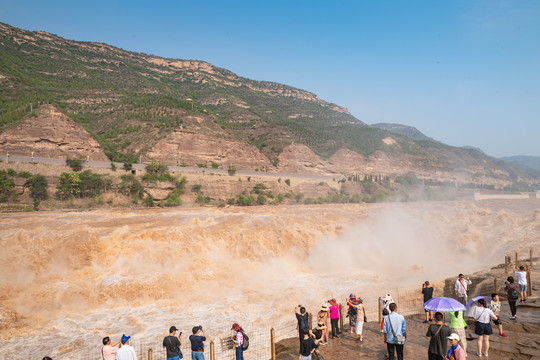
[245,200]
[6,182]
[232,170]
[201,199]
[196,188]
[288,182]
[215,165]
[156,168]
[69,185]
[24,175]
[131,186]
[113,166]
[128,166]
[173,199]
[148,200]
[261,199]
[74,164]
[259,188]
[11,172]
[93,184]
[38,187]
[180,185]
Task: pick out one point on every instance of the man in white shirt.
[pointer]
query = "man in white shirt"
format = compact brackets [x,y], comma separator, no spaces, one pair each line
[522,282]
[462,284]
[126,352]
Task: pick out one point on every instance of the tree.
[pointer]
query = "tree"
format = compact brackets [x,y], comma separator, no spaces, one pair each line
[232,170]
[38,187]
[69,185]
[74,164]
[288,182]
[156,168]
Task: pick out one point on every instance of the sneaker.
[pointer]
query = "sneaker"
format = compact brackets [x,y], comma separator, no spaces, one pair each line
[512,318]
[486,355]
[358,340]
[431,319]
[425,322]
[479,355]
[503,335]
[524,300]
[362,340]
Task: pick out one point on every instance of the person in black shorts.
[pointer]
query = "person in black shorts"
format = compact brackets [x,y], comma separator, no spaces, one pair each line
[427,291]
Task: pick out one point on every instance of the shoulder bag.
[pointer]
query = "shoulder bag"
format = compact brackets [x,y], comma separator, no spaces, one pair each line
[400,339]
[179,350]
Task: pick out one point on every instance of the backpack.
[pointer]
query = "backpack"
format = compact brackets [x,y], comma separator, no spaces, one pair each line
[514,294]
[245,344]
[354,311]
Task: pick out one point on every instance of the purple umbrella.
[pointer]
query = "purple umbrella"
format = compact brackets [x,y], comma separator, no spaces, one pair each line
[473,304]
[443,304]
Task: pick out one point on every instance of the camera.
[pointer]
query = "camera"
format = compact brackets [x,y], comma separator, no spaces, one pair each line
[299,306]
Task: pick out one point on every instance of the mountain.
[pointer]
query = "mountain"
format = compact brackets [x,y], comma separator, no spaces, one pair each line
[529,164]
[139,106]
[409,131]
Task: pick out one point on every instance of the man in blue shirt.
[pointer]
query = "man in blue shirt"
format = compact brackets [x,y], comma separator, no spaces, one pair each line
[197,346]
[394,329]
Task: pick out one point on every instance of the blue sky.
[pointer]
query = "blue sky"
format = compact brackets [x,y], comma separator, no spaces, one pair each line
[463,72]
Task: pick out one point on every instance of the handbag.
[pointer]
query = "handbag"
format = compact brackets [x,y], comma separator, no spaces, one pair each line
[400,339]
[364,310]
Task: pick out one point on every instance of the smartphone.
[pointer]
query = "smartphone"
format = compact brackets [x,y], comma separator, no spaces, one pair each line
[180,334]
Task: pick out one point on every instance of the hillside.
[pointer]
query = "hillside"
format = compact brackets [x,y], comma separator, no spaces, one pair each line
[409,131]
[529,164]
[137,106]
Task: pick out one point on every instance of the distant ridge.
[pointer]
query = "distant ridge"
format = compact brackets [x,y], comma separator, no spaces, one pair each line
[525,162]
[405,130]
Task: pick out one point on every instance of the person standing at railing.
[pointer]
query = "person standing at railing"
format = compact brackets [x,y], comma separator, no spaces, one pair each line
[126,352]
[427,291]
[108,351]
[352,312]
[394,332]
[334,318]
[303,320]
[197,343]
[307,345]
[522,282]
[322,317]
[461,287]
[172,344]
[457,326]
[360,318]
[238,341]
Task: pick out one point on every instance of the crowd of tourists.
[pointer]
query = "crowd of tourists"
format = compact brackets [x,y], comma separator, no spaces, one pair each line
[446,341]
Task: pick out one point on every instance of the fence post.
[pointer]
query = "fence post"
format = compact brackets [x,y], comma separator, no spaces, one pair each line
[529,283]
[150,354]
[517,259]
[272,344]
[495,286]
[341,317]
[310,321]
[530,257]
[380,310]
[212,352]
[505,264]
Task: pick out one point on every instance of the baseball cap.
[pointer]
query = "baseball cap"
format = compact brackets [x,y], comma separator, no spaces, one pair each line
[172,328]
[125,338]
[454,337]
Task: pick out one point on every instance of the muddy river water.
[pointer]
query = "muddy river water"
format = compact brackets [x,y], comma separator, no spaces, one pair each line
[69,278]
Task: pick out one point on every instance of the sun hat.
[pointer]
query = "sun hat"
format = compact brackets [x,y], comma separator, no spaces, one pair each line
[360,300]
[236,327]
[125,339]
[320,326]
[454,336]
[333,302]
[324,307]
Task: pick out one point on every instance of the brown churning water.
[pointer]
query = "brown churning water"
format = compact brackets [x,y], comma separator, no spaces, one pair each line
[68,279]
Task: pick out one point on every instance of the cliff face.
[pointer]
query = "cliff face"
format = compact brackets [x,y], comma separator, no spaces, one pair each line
[50,134]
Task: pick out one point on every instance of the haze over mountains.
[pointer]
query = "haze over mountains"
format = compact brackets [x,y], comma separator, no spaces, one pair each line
[190,112]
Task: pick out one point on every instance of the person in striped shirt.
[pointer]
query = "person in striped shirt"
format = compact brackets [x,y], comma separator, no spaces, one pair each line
[238,341]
